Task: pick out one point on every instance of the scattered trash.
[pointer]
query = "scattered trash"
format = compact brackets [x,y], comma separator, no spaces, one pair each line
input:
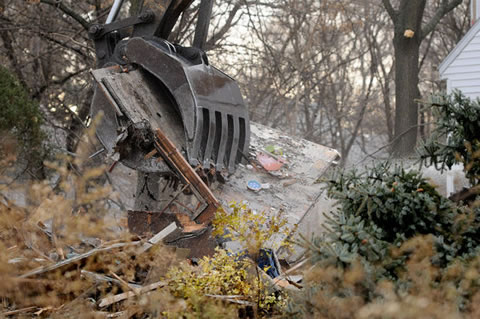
[266,186]
[289,182]
[269,263]
[254,186]
[269,163]
[274,149]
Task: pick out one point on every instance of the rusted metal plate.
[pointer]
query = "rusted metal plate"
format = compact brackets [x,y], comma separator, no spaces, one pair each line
[198,240]
[146,222]
[202,244]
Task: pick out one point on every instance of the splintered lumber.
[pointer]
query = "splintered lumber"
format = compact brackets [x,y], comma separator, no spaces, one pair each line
[157,238]
[76,258]
[173,157]
[107,301]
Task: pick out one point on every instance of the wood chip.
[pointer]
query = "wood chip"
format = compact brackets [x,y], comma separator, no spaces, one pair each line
[189,226]
[150,154]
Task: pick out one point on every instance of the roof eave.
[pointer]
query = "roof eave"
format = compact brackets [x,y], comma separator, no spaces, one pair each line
[458,48]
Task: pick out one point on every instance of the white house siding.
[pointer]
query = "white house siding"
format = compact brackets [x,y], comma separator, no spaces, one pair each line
[461,68]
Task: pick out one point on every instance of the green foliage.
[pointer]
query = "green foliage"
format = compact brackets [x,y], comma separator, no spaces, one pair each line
[385,206]
[221,275]
[423,290]
[252,229]
[395,203]
[20,116]
[456,137]
[395,248]
[392,229]
[225,274]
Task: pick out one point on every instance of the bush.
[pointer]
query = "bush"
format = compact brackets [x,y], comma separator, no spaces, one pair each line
[395,248]
[391,241]
[456,137]
[386,206]
[21,117]
[223,275]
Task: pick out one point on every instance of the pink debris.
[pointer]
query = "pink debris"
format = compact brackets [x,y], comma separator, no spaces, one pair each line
[268,162]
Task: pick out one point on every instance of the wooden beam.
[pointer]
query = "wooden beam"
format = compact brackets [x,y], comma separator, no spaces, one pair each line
[179,164]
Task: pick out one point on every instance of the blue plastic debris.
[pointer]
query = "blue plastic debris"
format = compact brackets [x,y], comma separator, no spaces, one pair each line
[266,261]
[254,185]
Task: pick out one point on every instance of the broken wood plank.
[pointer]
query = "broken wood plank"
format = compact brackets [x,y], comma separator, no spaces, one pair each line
[107,301]
[157,238]
[227,296]
[173,156]
[76,258]
[174,197]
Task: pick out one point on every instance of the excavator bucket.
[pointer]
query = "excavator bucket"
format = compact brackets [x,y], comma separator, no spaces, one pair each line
[147,83]
[164,109]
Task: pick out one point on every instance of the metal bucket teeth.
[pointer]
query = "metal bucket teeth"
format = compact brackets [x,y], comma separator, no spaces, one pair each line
[220,139]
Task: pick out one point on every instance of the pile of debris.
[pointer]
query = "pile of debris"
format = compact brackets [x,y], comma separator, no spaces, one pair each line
[96,277]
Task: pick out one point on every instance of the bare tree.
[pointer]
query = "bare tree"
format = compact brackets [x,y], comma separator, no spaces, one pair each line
[410,30]
[308,69]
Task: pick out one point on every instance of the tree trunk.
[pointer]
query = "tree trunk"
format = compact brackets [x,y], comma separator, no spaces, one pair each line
[406,42]
[406,92]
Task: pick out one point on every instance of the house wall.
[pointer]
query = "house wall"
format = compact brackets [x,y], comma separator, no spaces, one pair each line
[464,72]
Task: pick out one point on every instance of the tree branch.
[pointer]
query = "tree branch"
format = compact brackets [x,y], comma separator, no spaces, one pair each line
[225,28]
[390,10]
[68,11]
[59,82]
[444,8]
